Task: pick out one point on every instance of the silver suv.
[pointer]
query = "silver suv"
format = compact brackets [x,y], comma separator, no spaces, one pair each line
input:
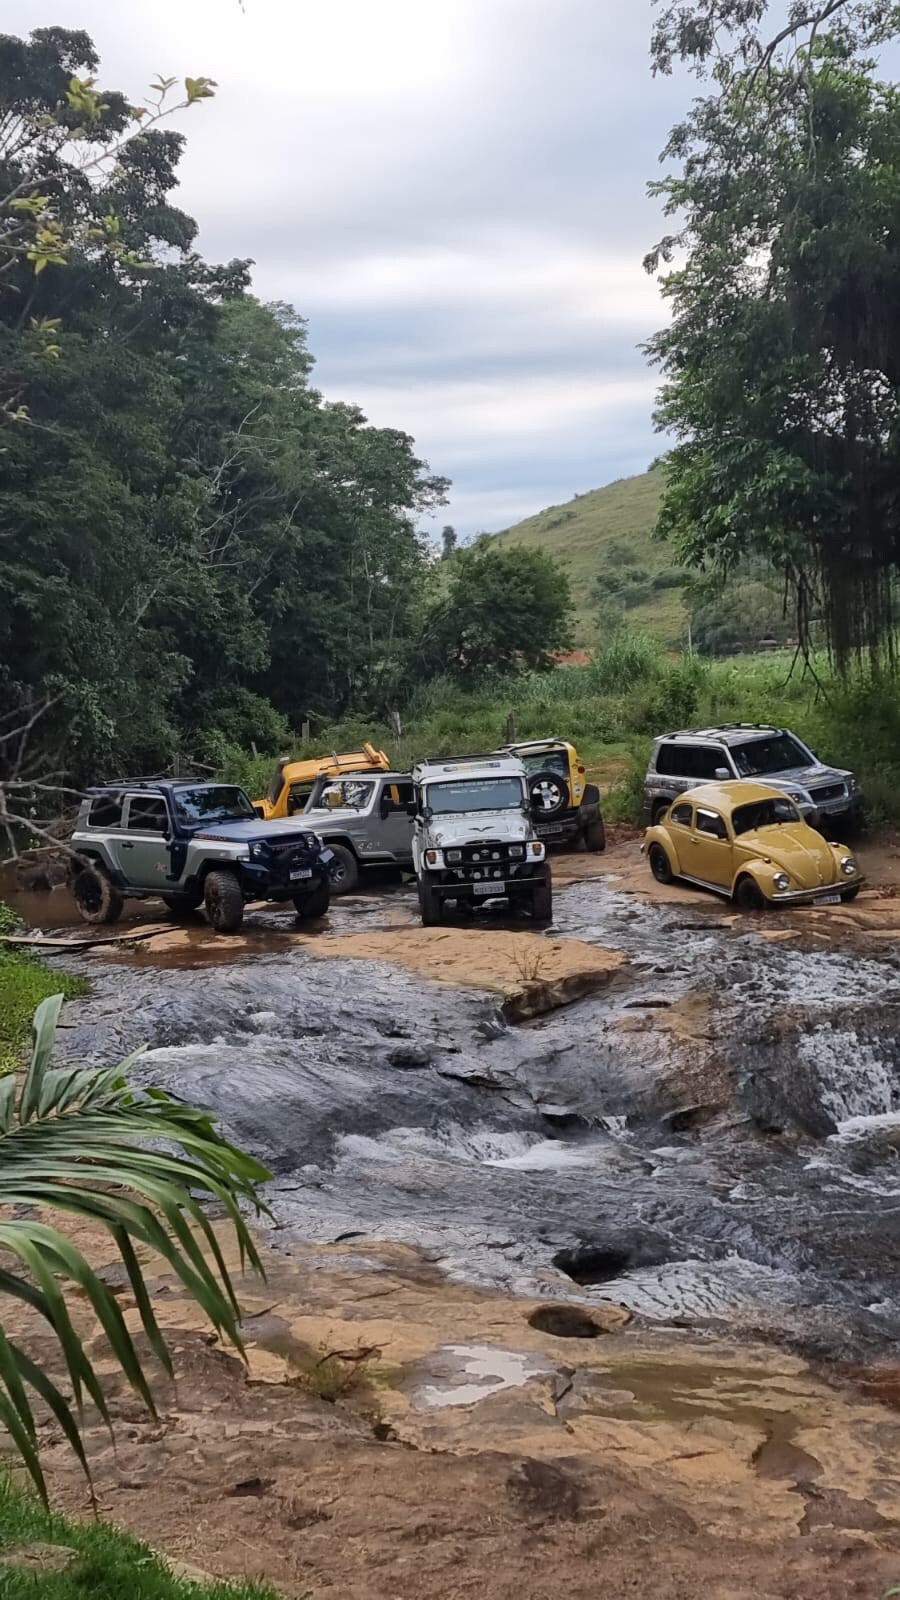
[365,819]
[775,756]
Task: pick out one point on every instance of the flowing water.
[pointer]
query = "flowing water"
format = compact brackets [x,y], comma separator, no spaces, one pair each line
[713,1138]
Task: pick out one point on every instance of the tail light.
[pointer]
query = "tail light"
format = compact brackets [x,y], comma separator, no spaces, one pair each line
[581,772]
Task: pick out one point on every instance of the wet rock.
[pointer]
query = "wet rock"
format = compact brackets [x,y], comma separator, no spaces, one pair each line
[573,1322]
[410,1057]
[599,1261]
[541,1489]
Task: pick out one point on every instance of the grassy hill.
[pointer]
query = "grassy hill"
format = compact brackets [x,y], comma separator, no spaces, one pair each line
[607,534]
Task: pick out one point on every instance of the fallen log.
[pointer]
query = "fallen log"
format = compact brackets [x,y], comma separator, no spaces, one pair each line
[47,941]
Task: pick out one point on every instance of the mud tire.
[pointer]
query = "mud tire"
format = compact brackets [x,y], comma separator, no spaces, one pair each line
[429,904]
[344,870]
[551,781]
[542,902]
[314,903]
[97,899]
[660,864]
[224,901]
[748,896]
[850,894]
[595,836]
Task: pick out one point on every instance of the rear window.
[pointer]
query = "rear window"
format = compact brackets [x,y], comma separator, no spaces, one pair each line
[689,760]
[551,761]
[106,811]
[147,813]
[682,815]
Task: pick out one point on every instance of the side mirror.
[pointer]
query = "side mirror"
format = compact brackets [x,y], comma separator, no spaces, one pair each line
[260,812]
[722,774]
[412,808]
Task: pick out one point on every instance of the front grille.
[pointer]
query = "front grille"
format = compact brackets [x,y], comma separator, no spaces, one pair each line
[487,854]
[829,791]
[289,849]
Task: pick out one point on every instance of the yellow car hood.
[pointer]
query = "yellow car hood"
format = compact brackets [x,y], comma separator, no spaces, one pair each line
[797,849]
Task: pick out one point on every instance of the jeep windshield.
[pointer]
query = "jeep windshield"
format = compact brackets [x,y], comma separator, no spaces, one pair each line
[213,803]
[476,794]
[778,753]
[763,814]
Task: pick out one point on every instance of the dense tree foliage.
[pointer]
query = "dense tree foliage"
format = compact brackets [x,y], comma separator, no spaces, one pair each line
[730,38]
[782,360]
[499,610]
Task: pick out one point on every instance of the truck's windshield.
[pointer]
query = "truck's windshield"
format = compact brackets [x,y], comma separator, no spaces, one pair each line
[215,802]
[475,794]
[777,753]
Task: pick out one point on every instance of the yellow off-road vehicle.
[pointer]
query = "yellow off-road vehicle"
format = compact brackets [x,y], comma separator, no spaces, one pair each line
[292,781]
[564,807]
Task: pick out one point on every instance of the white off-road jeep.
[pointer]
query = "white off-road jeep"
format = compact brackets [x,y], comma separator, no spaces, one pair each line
[474,838]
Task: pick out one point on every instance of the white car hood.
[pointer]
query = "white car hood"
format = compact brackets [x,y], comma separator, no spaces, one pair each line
[467,827]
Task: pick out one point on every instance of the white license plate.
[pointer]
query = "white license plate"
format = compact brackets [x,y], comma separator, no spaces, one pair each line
[489,888]
[301,872]
[550,827]
[828,900]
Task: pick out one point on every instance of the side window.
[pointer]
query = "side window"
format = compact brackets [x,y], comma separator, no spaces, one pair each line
[682,815]
[708,761]
[710,822]
[684,761]
[298,796]
[106,811]
[148,813]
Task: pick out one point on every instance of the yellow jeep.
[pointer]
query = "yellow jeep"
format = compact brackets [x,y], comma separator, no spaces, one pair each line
[564,806]
[292,781]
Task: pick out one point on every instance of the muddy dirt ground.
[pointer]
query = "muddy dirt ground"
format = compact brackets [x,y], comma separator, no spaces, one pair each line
[603,1224]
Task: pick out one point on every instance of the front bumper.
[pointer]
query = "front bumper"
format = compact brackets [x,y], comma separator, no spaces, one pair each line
[263,882]
[807,897]
[463,885]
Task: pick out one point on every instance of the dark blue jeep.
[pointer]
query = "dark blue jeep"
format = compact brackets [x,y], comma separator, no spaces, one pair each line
[191,842]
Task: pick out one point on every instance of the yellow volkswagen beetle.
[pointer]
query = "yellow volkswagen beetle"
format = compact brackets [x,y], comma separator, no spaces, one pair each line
[749,842]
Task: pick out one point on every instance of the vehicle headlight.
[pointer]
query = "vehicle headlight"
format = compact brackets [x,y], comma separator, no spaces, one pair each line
[849,867]
[781,882]
[433,857]
[536,848]
[454,855]
[516,852]
[257,850]
[314,840]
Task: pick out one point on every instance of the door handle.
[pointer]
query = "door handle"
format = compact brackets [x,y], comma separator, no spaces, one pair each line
[126,845]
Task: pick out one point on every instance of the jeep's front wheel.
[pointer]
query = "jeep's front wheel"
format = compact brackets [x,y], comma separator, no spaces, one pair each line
[315,902]
[97,899]
[542,901]
[344,870]
[429,904]
[595,835]
[224,901]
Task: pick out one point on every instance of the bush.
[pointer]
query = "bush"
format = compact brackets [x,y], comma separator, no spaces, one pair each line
[24,983]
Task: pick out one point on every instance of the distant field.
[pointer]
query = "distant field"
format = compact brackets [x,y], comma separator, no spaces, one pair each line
[598,531]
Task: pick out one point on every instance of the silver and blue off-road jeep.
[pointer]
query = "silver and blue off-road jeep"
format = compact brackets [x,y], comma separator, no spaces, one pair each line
[191,843]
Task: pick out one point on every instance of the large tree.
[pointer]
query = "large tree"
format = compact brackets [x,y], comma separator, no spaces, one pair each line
[782,361]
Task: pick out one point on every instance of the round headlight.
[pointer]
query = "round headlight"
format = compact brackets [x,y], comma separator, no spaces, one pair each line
[257,850]
[314,840]
[848,867]
[781,882]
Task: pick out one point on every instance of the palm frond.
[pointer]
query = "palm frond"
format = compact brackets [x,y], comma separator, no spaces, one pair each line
[140,1165]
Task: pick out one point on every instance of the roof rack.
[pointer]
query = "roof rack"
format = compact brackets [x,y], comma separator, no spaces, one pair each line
[149,780]
[446,761]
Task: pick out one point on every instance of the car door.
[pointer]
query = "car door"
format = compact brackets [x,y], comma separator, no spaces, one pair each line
[679,824]
[392,826]
[144,841]
[709,848]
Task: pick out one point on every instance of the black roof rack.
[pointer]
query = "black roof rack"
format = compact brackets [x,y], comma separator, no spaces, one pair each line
[442,761]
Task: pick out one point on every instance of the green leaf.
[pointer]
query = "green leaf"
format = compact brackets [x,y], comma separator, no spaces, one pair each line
[43,1035]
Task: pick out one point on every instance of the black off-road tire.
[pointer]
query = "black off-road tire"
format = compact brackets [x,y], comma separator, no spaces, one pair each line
[543,813]
[660,865]
[224,901]
[344,870]
[851,893]
[182,907]
[97,899]
[595,836]
[429,904]
[314,903]
[748,896]
[542,901]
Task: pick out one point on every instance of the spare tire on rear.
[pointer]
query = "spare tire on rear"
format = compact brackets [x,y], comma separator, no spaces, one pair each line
[548,794]
[97,899]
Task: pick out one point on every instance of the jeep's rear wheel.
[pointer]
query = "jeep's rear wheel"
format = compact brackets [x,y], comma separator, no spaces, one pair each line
[595,835]
[224,901]
[748,896]
[97,899]
[344,870]
[181,906]
[315,902]
[429,904]
[660,865]
[542,901]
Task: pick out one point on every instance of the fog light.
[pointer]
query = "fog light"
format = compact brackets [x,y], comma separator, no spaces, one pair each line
[848,866]
[516,852]
[454,855]
[781,882]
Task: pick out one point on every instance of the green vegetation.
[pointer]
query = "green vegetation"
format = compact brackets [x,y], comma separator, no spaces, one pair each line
[110,1565]
[133,1162]
[600,535]
[24,983]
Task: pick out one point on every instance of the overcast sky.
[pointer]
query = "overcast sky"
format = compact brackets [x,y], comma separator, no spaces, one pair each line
[452,192]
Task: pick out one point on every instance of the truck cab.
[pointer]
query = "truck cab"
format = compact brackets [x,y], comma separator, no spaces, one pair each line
[365,819]
[474,838]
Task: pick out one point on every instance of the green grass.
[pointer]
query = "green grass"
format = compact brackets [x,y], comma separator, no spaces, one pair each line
[24,983]
[597,530]
[111,1566]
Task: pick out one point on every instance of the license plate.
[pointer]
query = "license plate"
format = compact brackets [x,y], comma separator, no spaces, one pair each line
[828,900]
[489,888]
[301,872]
[549,827]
